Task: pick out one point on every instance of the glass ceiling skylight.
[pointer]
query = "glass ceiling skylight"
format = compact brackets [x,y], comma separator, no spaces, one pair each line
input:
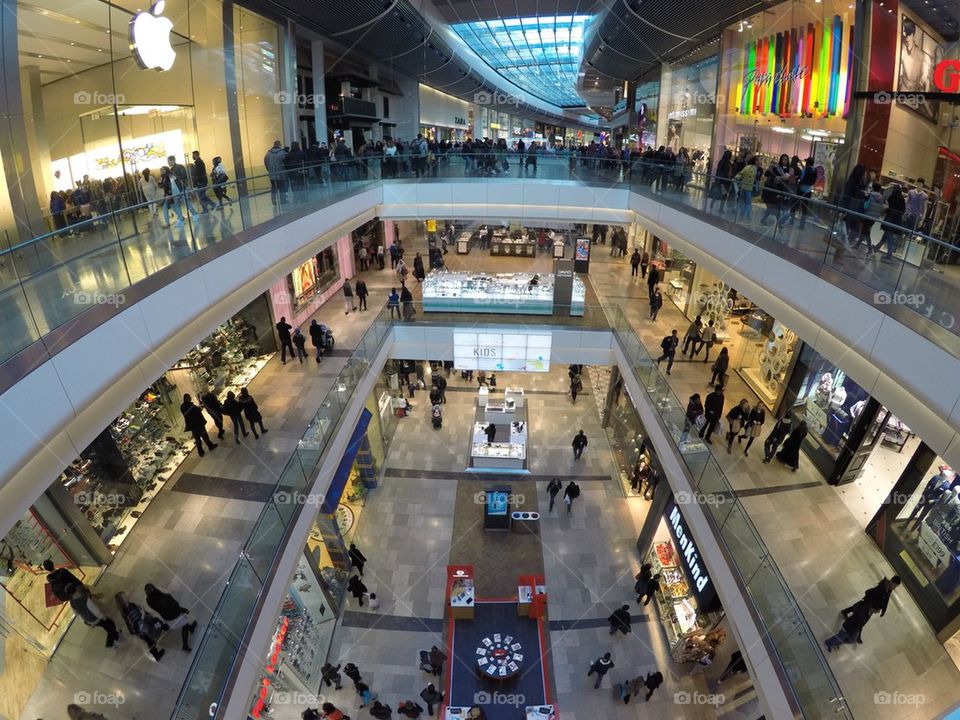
[539,54]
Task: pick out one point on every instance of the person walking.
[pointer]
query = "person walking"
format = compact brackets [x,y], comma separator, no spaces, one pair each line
[789,454]
[576,385]
[366,694]
[712,411]
[357,588]
[652,682]
[635,262]
[330,712]
[198,177]
[352,672]
[232,409]
[877,597]
[708,336]
[571,493]
[142,624]
[380,711]
[381,262]
[75,712]
[601,666]
[196,424]
[642,579]
[212,405]
[348,303]
[300,343]
[316,338]
[630,689]
[357,558]
[669,346]
[437,659]
[172,613]
[553,489]
[86,608]
[691,339]
[431,696]
[656,302]
[406,300]
[734,667]
[410,709]
[653,279]
[736,421]
[219,177]
[851,630]
[418,271]
[330,676]
[491,432]
[644,264]
[61,581]
[754,426]
[653,584]
[442,387]
[251,412]
[620,620]
[273,162]
[691,418]
[719,368]
[781,429]
[579,444]
[362,293]
[393,303]
[286,343]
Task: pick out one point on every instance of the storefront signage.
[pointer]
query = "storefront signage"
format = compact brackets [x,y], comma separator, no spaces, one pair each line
[150,39]
[804,71]
[691,562]
[677,114]
[932,547]
[459,121]
[946,76]
[502,352]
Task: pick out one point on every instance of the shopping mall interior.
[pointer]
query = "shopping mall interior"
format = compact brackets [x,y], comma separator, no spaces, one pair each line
[447,358]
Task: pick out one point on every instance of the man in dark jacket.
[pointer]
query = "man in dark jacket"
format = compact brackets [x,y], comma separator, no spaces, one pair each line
[620,620]
[781,428]
[877,597]
[195,424]
[273,162]
[175,615]
[442,387]
[357,558]
[179,172]
[212,403]
[233,410]
[669,347]
[712,411]
[431,696]
[61,581]
[286,341]
[652,682]
[316,338]
[294,165]
[362,292]
[653,584]
[579,443]
[553,489]
[198,176]
[601,666]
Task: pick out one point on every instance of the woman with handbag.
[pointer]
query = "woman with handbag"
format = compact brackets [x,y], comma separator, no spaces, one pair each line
[754,426]
[737,419]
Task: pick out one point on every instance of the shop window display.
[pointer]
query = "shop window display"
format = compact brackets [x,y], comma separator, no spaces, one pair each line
[313,277]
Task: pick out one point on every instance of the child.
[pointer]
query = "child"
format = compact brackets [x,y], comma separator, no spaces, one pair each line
[374,601]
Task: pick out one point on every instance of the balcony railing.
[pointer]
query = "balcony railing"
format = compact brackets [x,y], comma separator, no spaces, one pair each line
[101,248]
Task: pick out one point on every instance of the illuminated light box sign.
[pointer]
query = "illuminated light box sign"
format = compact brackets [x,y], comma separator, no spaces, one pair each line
[503,352]
[802,71]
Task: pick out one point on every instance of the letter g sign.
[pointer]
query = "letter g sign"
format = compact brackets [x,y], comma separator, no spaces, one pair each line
[946,76]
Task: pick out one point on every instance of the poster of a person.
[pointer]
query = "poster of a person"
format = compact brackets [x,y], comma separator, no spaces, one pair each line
[919,55]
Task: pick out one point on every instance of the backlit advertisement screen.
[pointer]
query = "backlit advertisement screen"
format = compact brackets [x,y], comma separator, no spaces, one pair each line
[504,352]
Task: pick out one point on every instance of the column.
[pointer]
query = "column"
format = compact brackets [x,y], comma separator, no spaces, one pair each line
[288,83]
[233,110]
[319,91]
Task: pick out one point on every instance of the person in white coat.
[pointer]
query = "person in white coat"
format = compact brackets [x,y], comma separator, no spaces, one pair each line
[150,189]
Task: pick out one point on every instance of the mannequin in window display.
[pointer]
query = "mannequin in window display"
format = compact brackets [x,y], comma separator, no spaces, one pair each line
[931,496]
[946,512]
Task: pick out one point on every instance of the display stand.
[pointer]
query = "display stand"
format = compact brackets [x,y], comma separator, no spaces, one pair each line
[504,293]
[463,244]
[461,593]
[540,712]
[508,414]
[531,596]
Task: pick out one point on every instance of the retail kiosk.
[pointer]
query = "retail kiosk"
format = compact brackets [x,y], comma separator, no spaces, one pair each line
[461,592]
[522,293]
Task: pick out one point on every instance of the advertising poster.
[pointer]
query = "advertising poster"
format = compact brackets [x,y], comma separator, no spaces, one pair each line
[919,55]
[582,251]
[305,278]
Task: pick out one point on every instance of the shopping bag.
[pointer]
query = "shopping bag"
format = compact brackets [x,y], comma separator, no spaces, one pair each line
[49,598]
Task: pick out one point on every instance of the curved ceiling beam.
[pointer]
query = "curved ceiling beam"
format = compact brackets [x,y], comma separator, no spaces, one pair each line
[372,21]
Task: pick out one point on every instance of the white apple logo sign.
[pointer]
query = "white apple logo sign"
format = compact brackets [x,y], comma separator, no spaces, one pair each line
[150,39]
